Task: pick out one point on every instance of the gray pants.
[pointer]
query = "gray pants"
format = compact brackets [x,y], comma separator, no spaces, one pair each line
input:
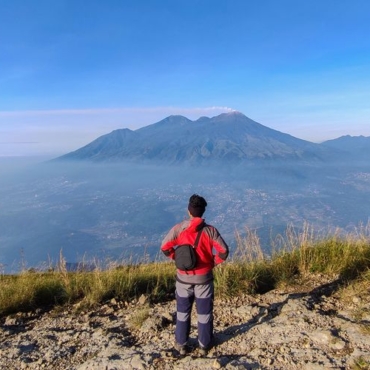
[203,295]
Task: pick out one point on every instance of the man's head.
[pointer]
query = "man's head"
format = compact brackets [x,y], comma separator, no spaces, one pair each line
[197,205]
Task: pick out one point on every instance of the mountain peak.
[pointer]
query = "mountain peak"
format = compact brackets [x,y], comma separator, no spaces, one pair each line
[230,137]
[234,114]
[177,119]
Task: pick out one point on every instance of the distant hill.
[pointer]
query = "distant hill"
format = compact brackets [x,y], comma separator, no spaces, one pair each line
[357,147]
[229,137]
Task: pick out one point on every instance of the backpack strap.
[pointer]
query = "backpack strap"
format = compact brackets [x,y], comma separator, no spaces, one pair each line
[197,238]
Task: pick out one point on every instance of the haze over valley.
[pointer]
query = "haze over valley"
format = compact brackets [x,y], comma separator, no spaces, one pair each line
[90,208]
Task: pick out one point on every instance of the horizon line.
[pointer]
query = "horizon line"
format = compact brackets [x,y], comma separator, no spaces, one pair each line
[31,112]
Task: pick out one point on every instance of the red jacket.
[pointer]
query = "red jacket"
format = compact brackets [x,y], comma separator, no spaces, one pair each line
[211,249]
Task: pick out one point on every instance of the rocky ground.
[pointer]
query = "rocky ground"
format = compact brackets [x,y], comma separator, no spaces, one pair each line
[305,326]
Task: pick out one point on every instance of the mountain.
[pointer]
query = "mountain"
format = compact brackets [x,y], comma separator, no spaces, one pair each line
[229,137]
[357,147]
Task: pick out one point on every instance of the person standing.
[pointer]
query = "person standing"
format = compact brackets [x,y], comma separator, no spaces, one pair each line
[195,284]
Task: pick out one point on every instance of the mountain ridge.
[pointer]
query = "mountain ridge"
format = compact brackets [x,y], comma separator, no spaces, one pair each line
[355,147]
[227,138]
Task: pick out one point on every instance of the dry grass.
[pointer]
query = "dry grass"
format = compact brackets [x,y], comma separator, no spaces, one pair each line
[30,290]
[139,316]
[361,363]
[248,271]
[295,254]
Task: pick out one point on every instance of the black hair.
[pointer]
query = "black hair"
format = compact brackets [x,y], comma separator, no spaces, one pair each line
[197,205]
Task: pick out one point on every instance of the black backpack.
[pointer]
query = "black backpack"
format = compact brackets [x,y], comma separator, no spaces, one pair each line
[185,255]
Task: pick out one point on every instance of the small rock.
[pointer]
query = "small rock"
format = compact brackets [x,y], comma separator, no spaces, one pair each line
[137,362]
[216,364]
[13,321]
[356,300]
[142,299]
[337,344]
[321,336]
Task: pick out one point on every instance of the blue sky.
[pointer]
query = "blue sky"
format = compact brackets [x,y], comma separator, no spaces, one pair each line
[73,70]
